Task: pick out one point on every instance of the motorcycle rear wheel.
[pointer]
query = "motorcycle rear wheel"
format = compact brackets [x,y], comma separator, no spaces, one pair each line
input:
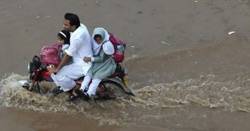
[112,90]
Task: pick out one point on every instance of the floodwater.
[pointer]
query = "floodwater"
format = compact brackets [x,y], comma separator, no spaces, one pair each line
[188,64]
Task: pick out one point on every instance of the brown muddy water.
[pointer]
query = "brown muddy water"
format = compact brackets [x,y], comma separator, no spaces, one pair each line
[188,64]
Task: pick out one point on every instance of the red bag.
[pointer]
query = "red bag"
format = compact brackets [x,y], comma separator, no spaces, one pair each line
[50,54]
[119,46]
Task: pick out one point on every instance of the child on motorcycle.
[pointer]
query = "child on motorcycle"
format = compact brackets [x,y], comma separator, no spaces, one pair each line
[63,37]
[103,64]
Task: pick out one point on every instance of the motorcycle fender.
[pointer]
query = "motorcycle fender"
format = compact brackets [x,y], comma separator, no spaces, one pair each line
[122,85]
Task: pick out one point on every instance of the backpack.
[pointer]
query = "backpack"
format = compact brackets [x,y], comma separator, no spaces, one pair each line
[50,54]
[119,47]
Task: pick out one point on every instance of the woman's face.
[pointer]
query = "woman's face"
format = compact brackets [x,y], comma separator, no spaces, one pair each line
[98,40]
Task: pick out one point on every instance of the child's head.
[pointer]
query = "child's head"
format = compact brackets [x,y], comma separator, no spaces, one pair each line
[98,38]
[63,37]
[99,35]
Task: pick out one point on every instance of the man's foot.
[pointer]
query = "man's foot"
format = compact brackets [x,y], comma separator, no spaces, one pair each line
[83,94]
[57,90]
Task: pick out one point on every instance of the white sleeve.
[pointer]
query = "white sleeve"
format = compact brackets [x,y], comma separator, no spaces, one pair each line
[65,47]
[108,48]
[73,48]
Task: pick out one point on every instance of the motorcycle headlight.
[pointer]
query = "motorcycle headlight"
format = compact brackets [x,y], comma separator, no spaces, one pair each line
[28,67]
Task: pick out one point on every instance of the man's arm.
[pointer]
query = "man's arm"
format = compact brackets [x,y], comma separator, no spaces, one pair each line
[66,58]
[73,48]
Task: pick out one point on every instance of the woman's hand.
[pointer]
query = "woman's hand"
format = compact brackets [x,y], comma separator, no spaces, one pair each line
[87,59]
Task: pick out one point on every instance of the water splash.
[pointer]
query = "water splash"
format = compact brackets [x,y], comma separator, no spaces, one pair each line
[205,91]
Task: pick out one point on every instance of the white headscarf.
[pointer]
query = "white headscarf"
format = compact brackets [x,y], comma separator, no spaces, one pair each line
[108,47]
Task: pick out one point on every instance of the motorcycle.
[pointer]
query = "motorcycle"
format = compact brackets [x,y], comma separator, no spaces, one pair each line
[109,88]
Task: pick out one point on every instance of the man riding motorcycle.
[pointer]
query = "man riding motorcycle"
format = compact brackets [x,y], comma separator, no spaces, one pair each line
[64,75]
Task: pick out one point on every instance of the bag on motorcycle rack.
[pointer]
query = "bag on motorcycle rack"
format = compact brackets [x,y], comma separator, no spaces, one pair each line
[119,46]
[50,54]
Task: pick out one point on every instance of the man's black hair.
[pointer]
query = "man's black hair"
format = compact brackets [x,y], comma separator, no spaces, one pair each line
[73,19]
